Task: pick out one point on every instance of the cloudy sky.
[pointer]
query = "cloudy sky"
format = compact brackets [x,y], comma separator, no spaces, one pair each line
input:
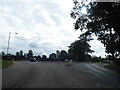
[43,26]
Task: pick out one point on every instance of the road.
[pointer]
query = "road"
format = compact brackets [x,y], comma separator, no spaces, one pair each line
[58,75]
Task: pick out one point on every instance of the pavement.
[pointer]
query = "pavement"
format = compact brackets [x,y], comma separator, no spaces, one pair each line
[58,75]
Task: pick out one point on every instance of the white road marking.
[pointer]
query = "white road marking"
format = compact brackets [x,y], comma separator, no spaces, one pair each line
[95,74]
[118,86]
[105,86]
[105,69]
[98,84]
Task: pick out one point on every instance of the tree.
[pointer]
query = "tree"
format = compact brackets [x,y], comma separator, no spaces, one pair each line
[79,49]
[44,57]
[17,53]
[22,57]
[21,52]
[30,54]
[39,58]
[3,53]
[63,55]
[57,55]
[52,56]
[102,20]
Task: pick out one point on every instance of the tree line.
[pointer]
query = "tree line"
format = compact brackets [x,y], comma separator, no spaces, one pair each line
[74,53]
[58,56]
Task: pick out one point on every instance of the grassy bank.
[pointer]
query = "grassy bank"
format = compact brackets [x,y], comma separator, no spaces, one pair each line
[22,60]
[112,66]
[5,64]
[0,63]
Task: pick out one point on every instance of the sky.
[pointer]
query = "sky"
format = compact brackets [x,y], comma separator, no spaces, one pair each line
[43,26]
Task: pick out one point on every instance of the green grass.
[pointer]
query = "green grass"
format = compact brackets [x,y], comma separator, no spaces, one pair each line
[21,60]
[5,64]
[112,66]
[0,63]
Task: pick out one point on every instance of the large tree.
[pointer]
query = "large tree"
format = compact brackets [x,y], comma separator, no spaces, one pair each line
[44,57]
[79,49]
[3,53]
[30,54]
[21,52]
[57,55]
[52,56]
[102,19]
[63,55]
[17,53]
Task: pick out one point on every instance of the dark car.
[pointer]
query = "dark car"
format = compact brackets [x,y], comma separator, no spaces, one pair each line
[32,59]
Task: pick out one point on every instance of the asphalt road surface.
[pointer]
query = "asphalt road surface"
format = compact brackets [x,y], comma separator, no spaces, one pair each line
[58,75]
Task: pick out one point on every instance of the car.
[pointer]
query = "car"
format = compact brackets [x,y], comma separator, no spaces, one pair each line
[69,62]
[32,59]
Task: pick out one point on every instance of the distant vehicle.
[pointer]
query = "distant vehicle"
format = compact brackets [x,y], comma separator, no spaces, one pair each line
[69,62]
[66,60]
[32,59]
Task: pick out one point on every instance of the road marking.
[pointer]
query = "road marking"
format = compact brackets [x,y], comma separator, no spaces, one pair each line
[98,85]
[70,67]
[105,86]
[103,68]
[95,74]
[118,86]
[26,79]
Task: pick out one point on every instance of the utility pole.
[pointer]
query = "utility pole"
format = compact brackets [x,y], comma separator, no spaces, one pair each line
[8,42]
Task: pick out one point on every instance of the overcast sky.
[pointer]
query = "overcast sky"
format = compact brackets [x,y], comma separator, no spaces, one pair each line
[42,25]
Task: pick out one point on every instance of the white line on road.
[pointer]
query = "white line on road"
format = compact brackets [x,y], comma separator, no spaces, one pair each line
[95,74]
[105,69]
[118,86]
[27,78]
[100,85]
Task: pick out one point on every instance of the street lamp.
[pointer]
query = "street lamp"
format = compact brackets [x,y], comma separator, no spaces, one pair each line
[9,42]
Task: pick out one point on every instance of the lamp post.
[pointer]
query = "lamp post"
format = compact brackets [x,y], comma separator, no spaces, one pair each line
[9,42]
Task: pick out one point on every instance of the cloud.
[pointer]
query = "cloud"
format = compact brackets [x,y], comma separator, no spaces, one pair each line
[33,45]
[42,25]
[56,19]
[97,47]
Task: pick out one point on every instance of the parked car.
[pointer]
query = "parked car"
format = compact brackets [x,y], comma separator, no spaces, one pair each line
[32,59]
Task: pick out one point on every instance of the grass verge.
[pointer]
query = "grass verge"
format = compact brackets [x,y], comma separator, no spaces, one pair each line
[5,64]
[22,60]
[0,63]
[112,67]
